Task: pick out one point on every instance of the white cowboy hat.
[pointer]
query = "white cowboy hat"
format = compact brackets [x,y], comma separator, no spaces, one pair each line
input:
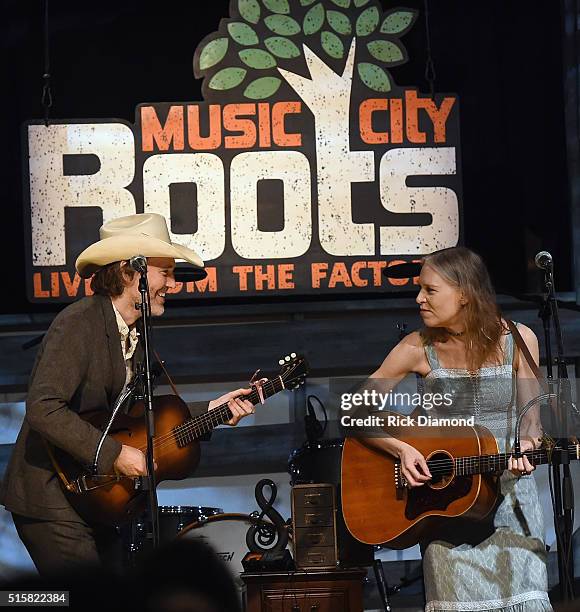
[144,234]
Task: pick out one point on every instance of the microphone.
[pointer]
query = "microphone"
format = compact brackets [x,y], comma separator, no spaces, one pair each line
[543,260]
[138,263]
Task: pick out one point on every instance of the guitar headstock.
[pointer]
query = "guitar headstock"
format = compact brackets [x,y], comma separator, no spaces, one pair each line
[294,370]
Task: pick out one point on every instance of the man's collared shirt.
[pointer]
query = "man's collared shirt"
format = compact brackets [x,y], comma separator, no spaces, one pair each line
[129,340]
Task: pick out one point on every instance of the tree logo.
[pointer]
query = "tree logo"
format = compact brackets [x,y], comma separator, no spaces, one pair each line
[254,50]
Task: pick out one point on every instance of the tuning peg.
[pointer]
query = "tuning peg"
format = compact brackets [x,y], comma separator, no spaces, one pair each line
[287,357]
[293,355]
[280,362]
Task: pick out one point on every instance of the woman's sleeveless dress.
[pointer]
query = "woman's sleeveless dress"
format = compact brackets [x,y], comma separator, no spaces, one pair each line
[506,570]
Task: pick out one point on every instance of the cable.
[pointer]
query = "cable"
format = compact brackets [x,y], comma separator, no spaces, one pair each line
[430,74]
[46,99]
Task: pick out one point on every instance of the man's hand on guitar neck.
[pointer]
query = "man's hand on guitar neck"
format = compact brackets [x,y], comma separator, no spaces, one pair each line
[238,406]
[131,462]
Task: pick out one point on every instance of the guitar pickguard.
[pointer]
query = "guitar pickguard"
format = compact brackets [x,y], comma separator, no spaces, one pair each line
[421,499]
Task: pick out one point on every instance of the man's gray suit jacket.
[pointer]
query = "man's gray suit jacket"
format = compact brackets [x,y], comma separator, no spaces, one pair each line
[79,368]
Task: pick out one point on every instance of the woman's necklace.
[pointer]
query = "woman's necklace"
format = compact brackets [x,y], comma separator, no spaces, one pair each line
[454,333]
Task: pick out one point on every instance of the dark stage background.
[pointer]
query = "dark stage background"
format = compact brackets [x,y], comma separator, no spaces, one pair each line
[504,59]
[506,62]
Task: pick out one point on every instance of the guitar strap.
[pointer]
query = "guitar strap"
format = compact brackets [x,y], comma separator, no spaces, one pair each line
[162,364]
[526,353]
[56,465]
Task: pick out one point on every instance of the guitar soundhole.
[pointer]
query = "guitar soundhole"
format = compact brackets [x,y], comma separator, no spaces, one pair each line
[441,468]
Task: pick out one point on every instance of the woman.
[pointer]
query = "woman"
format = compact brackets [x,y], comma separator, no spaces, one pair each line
[467,348]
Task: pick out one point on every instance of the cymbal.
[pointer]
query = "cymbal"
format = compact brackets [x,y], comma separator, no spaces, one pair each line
[404,270]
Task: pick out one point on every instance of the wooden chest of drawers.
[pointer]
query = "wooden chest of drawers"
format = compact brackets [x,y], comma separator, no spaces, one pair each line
[312,591]
[314,526]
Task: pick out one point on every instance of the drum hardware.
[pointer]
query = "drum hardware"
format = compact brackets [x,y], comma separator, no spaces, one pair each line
[172,520]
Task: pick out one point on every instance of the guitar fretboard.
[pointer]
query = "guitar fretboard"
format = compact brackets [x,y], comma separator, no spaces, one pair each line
[485,464]
[197,426]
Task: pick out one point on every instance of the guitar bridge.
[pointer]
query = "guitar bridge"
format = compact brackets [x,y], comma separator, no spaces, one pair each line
[400,480]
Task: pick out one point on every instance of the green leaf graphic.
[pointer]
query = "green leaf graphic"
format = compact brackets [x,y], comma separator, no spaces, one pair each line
[385,51]
[277,6]
[213,53]
[359,3]
[282,47]
[313,20]
[242,33]
[374,77]
[332,44]
[256,58]
[262,88]
[339,22]
[367,21]
[342,3]
[397,22]
[306,2]
[227,78]
[280,24]
[249,10]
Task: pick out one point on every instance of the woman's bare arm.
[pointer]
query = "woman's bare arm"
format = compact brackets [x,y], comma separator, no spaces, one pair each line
[406,358]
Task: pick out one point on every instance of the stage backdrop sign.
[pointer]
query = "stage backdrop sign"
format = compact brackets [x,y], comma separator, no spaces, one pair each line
[306,169]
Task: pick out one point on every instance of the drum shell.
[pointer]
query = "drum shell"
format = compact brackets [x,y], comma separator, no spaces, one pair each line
[318,462]
[226,534]
[172,519]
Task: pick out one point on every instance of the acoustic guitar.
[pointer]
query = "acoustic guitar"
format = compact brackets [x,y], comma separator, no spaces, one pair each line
[113,499]
[378,506]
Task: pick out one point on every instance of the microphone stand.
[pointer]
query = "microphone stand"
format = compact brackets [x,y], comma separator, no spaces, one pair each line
[562,480]
[148,483]
[124,395]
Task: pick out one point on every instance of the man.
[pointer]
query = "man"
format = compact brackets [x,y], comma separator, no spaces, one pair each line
[85,360]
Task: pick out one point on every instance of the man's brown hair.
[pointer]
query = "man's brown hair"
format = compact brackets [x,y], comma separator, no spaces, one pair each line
[111,280]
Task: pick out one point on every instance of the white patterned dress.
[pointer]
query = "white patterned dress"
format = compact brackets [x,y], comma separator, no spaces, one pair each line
[499,565]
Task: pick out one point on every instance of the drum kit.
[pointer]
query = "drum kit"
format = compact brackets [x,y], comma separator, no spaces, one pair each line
[225,532]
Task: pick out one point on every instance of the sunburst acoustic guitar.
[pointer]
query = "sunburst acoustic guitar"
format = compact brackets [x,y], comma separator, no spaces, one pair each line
[113,499]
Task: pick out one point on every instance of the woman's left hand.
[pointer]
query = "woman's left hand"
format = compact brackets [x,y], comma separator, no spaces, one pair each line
[522,466]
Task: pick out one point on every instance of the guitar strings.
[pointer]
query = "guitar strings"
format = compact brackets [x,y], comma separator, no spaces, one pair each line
[205,422]
[442,466]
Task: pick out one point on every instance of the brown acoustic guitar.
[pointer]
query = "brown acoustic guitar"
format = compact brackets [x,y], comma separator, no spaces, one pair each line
[113,499]
[378,507]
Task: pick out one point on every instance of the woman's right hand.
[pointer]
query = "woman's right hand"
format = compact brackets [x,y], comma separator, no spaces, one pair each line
[413,465]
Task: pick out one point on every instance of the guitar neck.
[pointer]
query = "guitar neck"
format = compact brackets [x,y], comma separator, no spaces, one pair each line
[197,426]
[483,464]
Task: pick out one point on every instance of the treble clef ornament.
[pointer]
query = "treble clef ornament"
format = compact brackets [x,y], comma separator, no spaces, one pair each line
[261,536]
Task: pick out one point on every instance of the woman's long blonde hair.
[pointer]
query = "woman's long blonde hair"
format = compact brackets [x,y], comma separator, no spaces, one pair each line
[483,323]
